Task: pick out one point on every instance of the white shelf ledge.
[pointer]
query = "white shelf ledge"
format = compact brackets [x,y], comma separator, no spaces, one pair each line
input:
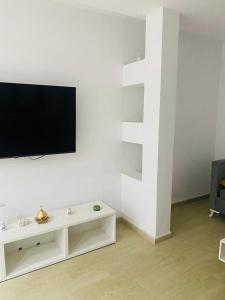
[132,132]
[133,175]
[134,74]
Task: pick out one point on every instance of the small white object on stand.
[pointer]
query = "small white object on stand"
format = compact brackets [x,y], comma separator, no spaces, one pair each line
[23,222]
[68,211]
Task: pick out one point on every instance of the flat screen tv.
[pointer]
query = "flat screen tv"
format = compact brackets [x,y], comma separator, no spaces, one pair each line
[36,120]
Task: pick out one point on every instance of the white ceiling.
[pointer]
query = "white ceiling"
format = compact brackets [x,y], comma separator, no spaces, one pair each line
[201,16]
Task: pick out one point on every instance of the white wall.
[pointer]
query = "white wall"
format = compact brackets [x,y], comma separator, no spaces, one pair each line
[198,80]
[220,129]
[50,43]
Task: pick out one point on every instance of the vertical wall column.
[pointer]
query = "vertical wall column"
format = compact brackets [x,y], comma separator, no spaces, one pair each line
[162,32]
[220,126]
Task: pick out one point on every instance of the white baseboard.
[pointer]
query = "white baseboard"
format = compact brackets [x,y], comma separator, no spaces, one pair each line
[123,218]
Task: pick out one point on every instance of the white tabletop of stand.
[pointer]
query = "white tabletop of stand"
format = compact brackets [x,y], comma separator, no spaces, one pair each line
[57,219]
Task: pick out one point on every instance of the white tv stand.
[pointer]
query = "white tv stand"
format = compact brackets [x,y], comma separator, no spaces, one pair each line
[34,246]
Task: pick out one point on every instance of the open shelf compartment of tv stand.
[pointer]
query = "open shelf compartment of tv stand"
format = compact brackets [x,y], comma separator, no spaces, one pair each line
[34,246]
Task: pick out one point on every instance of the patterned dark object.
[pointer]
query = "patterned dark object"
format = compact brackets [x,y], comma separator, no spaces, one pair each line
[222,194]
[96,207]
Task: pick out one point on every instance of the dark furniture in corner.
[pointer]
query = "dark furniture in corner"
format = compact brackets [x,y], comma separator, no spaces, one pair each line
[217,194]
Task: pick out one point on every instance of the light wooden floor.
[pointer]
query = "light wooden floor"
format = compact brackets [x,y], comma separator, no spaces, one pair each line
[184,267]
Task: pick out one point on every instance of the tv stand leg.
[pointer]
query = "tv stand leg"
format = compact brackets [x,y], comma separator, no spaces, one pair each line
[212,212]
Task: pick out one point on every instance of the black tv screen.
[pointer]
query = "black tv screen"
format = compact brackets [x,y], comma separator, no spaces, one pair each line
[36,120]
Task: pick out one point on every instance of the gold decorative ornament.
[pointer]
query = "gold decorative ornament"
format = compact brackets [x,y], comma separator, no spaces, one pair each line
[42,216]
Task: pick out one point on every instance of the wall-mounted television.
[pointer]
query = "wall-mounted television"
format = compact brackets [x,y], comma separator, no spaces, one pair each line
[37,120]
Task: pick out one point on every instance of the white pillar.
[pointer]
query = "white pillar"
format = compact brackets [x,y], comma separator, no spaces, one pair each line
[162,32]
[220,126]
